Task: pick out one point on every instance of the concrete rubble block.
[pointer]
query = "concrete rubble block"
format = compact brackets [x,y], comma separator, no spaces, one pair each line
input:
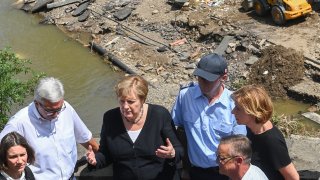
[223,45]
[253,49]
[84,16]
[312,116]
[40,4]
[122,14]
[304,152]
[307,90]
[80,9]
[262,42]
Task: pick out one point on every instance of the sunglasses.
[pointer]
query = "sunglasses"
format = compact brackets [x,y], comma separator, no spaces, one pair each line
[50,112]
[224,160]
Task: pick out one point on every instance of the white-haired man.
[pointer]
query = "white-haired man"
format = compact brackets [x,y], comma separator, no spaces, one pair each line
[52,127]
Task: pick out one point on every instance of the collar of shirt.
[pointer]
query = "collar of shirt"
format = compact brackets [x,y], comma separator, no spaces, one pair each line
[224,99]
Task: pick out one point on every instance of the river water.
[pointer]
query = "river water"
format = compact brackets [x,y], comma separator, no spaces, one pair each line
[87,79]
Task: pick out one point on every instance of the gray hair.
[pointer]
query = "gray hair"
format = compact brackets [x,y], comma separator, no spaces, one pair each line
[240,146]
[50,89]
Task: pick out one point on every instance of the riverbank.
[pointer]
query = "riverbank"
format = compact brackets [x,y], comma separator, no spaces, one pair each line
[163,43]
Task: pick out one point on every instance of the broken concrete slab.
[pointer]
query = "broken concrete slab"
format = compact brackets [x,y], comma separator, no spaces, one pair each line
[312,116]
[84,16]
[304,152]
[80,9]
[122,13]
[40,4]
[306,90]
[223,45]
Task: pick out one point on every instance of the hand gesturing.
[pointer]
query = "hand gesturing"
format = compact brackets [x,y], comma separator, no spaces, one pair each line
[166,151]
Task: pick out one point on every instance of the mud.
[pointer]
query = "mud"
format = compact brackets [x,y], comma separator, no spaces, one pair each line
[277,70]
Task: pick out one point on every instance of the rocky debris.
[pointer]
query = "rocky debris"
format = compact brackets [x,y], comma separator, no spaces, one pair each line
[277,70]
[122,13]
[222,48]
[39,5]
[80,9]
[305,147]
[84,16]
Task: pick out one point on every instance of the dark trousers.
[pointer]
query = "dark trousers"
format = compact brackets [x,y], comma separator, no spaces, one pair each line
[197,173]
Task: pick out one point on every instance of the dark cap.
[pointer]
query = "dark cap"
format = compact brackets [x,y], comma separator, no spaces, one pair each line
[211,66]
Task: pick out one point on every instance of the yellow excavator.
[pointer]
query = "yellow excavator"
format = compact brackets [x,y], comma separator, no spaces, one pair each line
[281,10]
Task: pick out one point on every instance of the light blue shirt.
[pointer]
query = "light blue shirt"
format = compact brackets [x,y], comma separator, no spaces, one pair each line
[54,141]
[205,124]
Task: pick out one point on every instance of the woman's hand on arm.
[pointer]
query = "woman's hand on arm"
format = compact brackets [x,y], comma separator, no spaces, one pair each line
[91,157]
[289,172]
[166,151]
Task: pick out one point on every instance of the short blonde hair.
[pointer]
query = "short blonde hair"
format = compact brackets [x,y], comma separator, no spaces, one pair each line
[133,83]
[255,101]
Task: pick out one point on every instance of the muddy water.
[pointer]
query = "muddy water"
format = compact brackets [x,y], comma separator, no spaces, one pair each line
[294,108]
[88,81]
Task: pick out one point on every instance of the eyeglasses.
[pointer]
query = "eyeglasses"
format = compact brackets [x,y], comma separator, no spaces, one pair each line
[224,160]
[52,111]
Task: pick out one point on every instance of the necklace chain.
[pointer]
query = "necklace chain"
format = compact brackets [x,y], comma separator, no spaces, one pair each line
[136,120]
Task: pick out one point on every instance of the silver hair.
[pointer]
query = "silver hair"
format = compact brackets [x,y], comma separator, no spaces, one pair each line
[240,146]
[50,89]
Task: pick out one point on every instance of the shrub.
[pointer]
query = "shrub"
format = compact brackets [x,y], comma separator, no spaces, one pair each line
[12,89]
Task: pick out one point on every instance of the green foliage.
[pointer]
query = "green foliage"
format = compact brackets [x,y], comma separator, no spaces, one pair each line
[12,89]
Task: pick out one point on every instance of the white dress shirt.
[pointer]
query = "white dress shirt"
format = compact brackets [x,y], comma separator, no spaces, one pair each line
[54,141]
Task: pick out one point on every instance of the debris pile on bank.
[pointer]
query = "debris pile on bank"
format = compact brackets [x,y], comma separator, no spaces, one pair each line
[278,69]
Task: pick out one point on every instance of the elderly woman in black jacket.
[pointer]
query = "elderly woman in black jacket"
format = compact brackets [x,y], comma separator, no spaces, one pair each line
[15,153]
[138,138]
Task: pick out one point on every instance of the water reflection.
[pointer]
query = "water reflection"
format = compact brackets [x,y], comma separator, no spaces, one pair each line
[88,81]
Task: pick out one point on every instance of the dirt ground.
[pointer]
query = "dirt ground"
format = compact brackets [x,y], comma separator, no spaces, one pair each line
[187,33]
[163,42]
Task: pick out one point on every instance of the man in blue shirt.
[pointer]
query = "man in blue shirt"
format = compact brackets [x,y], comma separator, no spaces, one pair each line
[204,111]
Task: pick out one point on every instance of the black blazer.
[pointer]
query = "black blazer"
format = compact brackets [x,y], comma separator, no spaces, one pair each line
[138,161]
